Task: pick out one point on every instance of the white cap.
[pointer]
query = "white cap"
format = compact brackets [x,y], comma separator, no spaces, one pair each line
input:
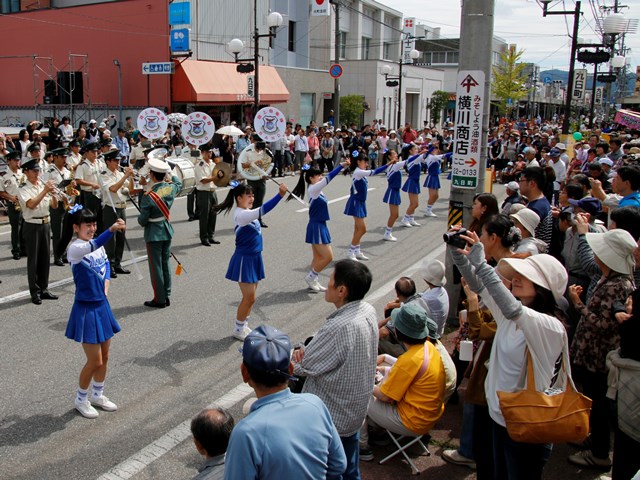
[513,186]
[561,146]
[159,166]
[606,161]
[528,219]
[102,125]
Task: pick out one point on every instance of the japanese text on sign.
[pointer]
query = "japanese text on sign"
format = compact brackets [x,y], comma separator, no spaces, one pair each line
[579,85]
[468,128]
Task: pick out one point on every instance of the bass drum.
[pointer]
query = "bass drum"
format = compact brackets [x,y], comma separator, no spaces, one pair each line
[185,171]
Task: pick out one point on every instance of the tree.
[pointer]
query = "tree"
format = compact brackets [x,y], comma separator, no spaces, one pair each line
[508,84]
[437,104]
[351,108]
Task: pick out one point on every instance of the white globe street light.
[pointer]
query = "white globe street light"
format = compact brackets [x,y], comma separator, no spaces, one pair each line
[236,46]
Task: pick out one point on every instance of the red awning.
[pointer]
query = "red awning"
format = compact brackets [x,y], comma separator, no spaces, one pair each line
[197,81]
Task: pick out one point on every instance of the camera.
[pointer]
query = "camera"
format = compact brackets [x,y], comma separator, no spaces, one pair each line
[454,239]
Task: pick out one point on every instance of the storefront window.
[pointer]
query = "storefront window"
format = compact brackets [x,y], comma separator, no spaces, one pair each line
[307,101]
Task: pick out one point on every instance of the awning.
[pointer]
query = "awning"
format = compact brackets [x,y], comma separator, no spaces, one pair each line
[197,81]
[628,118]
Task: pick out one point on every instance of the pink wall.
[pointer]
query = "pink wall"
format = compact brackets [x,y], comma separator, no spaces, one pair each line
[133,31]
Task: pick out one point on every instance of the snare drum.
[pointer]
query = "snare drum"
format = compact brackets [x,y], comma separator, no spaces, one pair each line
[185,171]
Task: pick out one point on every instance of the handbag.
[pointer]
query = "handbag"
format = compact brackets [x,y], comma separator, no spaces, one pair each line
[538,417]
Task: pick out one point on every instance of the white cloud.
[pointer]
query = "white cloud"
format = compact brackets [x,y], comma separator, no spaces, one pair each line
[544,39]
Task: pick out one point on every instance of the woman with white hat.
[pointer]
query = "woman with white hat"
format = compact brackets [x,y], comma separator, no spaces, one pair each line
[436,296]
[526,220]
[597,334]
[525,311]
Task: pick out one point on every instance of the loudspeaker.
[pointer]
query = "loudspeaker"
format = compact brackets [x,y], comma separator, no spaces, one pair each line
[50,88]
[70,87]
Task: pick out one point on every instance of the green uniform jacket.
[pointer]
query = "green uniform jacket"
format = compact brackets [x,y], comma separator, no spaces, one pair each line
[158,231]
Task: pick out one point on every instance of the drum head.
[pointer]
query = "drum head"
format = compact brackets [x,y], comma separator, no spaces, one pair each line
[222,174]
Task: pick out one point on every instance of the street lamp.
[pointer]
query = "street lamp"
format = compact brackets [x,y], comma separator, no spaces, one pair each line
[274,20]
[116,62]
[396,81]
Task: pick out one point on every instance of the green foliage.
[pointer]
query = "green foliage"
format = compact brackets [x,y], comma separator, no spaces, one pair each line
[508,81]
[437,104]
[351,108]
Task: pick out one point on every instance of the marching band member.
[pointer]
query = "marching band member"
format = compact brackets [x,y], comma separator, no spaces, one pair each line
[57,172]
[154,217]
[246,266]
[412,185]
[116,186]
[356,205]
[392,195]
[317,232]
[35,199]
[256,153]
[74,158]
[432,183]
[9,192]
[91,321]
[86,176]
[206,197]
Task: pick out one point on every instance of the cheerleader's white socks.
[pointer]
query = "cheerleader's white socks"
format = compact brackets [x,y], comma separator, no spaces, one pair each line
[406,221]
[429,211]
[388,236]
[97,389]
[81,395]
[241,330]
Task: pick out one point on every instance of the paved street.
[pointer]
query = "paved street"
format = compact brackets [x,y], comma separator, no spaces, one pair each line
[166,365]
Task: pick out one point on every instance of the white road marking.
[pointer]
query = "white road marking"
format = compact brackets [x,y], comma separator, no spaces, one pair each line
[339,199]
[141,459]
[59,283]
[144,457]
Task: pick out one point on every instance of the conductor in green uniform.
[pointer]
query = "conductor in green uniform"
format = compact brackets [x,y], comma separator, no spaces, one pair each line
[154,217]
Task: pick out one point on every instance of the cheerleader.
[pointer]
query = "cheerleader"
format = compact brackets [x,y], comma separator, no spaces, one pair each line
[246,265]
[91,321]
[356,205]
[317,232]
[432,183]
[412,185]
[392,195]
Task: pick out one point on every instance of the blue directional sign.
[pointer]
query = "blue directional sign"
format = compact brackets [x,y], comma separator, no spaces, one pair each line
[180,40]
[157,68]
[547,80]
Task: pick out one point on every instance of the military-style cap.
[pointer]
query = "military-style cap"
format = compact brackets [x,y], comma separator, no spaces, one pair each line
[93,146]
[30,164]
[207,147]
[159,165]
[33,147]
[48,154]
[13,155]
[105,142]
[74,143]
[111,155]
[60,152]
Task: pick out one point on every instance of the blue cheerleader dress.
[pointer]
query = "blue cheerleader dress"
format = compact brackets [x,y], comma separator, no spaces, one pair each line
[394,181]
[433,172]
[246,264]
[414,165]
[317,230]
[91,319]
[357,203]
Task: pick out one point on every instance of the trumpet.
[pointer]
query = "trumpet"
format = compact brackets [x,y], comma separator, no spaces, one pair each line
[67,197]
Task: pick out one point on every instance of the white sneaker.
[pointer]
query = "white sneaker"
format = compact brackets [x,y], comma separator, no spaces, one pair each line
[389,238]
[352,256]
[452,456]
[430,214]
[86,410]
[315,285]
[414,223]
[361,256]
[241,335]
[104,403]
[405,223]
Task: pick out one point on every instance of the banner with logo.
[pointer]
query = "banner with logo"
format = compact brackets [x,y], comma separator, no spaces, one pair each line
[198,128]
[270,124]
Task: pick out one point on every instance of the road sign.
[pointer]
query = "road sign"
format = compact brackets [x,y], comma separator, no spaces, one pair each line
[251,85]
[157,68]
[335,70]
[547,80]
[468,132]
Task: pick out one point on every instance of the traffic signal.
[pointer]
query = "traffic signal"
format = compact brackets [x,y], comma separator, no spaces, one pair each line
[244,68]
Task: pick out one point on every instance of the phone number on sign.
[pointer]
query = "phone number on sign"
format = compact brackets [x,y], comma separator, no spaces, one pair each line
[467,172]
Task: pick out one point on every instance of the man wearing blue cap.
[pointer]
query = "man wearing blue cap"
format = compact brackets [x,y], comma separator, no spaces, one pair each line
[285,435]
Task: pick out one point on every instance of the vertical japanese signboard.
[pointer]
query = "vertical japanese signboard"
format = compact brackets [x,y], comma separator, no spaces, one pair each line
[599,95]
[579,85]
[409,32]
[468,130]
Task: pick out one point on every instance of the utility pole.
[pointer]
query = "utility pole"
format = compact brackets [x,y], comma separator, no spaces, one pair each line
[256,59]
[336,81]
[476,32]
